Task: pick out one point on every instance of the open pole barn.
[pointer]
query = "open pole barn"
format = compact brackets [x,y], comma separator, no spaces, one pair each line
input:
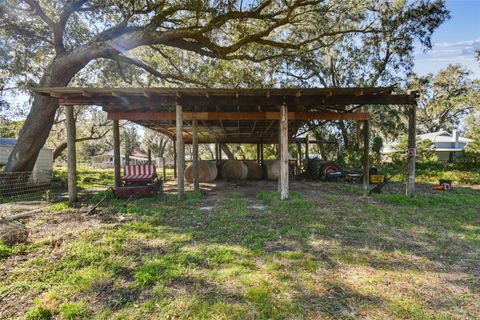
[254,116]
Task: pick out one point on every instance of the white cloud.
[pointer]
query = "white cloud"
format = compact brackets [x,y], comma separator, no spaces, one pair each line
[458,50]
[445,53]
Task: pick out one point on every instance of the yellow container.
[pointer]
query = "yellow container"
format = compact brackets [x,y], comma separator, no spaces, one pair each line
[376,178]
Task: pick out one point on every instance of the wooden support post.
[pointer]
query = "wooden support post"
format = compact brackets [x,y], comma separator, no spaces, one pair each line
[196,178]
[299,157]
[307,149]
[180,153]
[366,148]
[149,156]
[116,153]
[283,152]
[258,153]
[174,160]
[71,155]
[412,150]
[261,154]
[164,169]
[216,152]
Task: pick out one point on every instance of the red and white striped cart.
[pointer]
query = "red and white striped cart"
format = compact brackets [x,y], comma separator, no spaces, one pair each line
[139,180]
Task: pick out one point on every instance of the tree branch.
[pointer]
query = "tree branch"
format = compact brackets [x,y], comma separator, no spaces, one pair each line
[165,76]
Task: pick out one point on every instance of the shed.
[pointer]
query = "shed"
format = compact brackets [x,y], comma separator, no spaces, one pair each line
[227,115]
[42,172]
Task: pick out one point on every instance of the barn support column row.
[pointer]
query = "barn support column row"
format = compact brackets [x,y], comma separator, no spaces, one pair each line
[71,154]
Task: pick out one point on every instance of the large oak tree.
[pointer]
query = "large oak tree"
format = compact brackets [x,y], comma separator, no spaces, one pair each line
[52,41]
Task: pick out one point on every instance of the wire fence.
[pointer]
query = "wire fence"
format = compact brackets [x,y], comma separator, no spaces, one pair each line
[24,186]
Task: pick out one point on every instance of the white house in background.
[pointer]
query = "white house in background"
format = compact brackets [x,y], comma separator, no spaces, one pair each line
[447,146]
[106,160]
[42,172]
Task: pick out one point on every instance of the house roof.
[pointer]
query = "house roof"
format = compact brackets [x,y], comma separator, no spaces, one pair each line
[12,142]
[442,136]
[7,142]
[135,154]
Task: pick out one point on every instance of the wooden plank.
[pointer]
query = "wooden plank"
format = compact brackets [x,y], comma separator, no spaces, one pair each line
[412,150]
[195,173]
[366,149]
[251,116]
[283,152]
[180,153]
[116,152]
[149,156]
[189,97]
[71,154]
[200,101]
[208,92]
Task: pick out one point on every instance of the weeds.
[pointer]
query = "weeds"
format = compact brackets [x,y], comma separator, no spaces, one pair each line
[345,256]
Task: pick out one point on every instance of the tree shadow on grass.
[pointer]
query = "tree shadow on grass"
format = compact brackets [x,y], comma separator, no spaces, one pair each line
[351,234]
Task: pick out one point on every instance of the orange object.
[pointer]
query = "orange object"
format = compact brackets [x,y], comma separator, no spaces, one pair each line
[439,187]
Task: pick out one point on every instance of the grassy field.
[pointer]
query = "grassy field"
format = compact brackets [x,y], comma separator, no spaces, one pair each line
[328,252]
[463,174]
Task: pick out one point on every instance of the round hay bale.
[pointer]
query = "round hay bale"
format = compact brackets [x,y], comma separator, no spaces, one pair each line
[234,170]
[207,171]
[272,169]
[255,171]
[13,233]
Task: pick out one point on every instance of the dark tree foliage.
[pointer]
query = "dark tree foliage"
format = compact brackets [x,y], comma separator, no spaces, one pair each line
[52,42]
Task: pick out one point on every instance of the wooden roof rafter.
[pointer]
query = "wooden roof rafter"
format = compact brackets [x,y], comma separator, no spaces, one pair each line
[229,115]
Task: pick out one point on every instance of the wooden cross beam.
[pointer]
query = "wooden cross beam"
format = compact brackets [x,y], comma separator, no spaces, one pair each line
[251,116]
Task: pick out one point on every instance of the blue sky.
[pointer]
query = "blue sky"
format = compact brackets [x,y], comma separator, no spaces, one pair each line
[454,41]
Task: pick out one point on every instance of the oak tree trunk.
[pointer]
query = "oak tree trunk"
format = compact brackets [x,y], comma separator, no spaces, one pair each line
[41,117]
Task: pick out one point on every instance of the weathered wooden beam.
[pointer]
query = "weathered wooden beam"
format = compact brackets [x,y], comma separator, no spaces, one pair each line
[116,152]
[225,116]
[180,153]
[412,150]
[283,152]
[244,100]
[366,149]
[149,156]
[307,150]
[195,173]
[71,154]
